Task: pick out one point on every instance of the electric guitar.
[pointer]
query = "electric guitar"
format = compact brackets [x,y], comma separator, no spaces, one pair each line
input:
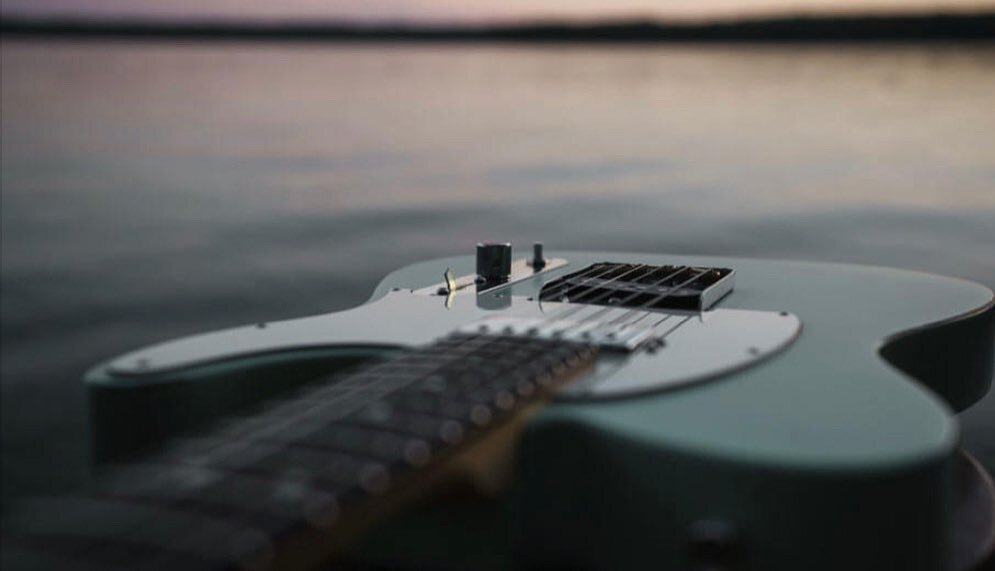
[582,410]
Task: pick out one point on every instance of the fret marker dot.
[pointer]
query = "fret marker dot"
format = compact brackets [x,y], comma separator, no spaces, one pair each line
[480,415]
[451,432]
[525,388]
[416,452]
[374,479]
[504,400]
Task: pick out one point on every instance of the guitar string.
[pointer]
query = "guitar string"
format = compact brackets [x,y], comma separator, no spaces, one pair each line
[355,384]
[314,419]
[579,303]
[636,294]
[657,299]
[585,275]
[588,278]
[263,432]
[367,388]
[670,291]
[666,294]
[571,308]
[352,390]
[199,462]
[636,311]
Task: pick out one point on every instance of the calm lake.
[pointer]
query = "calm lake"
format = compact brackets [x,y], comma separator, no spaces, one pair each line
[151,190]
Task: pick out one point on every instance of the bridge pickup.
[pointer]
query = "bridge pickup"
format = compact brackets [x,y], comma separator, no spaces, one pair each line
[605,335]
[642,286]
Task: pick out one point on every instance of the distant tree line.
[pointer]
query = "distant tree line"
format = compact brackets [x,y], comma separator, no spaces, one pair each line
[976,26]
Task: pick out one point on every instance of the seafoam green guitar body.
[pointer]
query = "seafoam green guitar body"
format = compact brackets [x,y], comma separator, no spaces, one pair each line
[835,453]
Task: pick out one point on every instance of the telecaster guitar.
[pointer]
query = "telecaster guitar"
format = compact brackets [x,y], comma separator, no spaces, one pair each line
[624,411]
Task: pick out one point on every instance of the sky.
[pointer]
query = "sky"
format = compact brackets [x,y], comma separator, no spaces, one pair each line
[442,11]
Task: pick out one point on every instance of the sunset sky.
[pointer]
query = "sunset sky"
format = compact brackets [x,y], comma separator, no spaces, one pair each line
[427,11]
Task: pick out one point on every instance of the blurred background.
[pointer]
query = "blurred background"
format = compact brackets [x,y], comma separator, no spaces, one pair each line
[156,183]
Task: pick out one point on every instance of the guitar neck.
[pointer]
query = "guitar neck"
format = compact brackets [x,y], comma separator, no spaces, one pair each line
[290,487]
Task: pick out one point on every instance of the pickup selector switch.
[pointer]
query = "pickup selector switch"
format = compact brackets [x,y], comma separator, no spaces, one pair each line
[538,261]
[494,261]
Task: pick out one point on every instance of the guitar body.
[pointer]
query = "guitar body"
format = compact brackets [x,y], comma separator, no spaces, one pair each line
[836,450]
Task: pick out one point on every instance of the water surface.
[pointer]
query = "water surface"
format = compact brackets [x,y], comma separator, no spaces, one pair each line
[153,190]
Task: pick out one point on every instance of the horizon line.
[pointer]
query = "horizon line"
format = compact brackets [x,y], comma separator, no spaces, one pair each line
[742,16]
[973,25]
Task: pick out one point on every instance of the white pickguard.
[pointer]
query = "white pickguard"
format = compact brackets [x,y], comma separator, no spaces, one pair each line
[698,345]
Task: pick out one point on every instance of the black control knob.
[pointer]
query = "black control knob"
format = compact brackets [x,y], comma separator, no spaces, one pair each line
[494,261]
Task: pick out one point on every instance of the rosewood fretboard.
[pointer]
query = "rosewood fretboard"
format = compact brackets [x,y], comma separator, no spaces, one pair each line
[288,487]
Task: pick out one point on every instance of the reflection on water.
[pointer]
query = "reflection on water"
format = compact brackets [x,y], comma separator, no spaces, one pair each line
[152,190]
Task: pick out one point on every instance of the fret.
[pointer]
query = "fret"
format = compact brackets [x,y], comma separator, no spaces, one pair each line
[317,460]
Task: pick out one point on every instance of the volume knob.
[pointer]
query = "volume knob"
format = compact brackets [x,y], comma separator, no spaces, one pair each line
[494,261]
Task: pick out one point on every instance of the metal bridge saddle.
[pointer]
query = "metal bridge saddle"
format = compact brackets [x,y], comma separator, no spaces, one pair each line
[288,487]
[603,334]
